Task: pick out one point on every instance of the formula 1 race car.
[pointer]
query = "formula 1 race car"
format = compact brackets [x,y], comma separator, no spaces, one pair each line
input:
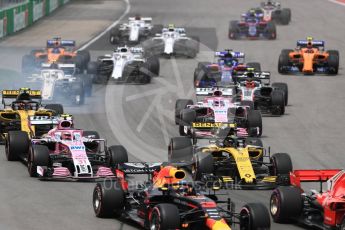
[223,70]
[308,58]
[202,117]
[173,41]
[255,87]
[167,201]
[241,162]
[272,11]
[65,152]
[136,30]
[21,104]
[320,210]
[56,51]
[62,83]
[252,26]
[125,65]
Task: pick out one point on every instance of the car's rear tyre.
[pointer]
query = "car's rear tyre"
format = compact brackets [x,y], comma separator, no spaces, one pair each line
[233,30]
[17,142]
[114,35]
[283,87]
[117,154]
[154,66]
[179,106]
[56,108]
[254,216]
[108,199]
[180,149]
[284,61]
[278,102]
[203,163]
[271,31]
[165,216]
[285,16]
[254,120]
[333,62]
[255,65]
[38,156]
[286,204]
[281,164]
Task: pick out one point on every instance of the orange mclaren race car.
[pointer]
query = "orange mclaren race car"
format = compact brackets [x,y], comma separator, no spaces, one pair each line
[57,51]
[167,201]
[309,57]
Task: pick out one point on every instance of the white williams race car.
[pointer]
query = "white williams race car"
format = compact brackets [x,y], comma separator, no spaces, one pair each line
[137,29]
[125,65]
[61,83]
[173,41]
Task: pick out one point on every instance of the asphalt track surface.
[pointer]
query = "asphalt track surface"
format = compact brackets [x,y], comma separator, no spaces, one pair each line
[141,117]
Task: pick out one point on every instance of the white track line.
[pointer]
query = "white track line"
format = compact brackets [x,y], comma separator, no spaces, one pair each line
[342,3]
[128,8]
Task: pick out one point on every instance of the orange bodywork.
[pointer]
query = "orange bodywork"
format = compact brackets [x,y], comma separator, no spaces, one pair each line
[168,175]
[307,57]
[52,56]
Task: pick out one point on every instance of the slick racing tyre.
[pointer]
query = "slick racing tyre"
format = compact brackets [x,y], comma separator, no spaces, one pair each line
[333,62]
[285,16]
[233,30]
[153,66]
[17,143]
[38,156]
[271,31]
[254,216]
[278,102]
[92,145]
[165,216]
[254,120]
[180,149]
[78,93]
[283,87]
[114,37]
[286,204]
[179,106]
[116,154]
[203,164]
[284,61]
[108,199]
[281,164]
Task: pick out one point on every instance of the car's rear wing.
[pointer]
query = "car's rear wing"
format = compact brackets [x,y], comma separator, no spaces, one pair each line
[43,120]
[226,91]
[264,76]
[232,53]
[35,94]
[139,167]
[64,43]
[146,19]
[316,44]
[311,175]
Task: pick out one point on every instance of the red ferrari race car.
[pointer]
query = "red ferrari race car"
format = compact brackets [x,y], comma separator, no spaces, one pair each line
[166,201]
[316,209]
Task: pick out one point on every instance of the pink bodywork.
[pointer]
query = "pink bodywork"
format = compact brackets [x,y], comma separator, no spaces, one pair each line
[74,145]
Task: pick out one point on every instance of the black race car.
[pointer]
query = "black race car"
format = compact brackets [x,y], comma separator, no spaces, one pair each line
[166,201]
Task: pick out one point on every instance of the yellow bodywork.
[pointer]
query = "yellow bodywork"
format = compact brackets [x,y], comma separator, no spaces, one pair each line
[23,116]
[242,158]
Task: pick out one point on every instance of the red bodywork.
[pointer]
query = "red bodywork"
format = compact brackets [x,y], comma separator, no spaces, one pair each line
[333,199]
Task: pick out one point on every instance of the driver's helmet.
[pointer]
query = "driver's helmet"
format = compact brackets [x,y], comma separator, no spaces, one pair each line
[269,3]
[310,42]
[250,74]
[185,190]
[230,141]
[250,83]
[23,97]
[231,62]
[66,136]
[251,13]
[137,17]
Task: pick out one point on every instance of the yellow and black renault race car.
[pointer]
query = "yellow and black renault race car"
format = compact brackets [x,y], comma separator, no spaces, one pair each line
[241,162]
[22,112]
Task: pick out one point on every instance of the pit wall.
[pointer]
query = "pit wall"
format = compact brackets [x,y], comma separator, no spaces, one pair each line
[13,19]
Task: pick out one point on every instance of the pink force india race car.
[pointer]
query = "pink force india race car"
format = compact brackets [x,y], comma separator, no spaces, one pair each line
[66,153]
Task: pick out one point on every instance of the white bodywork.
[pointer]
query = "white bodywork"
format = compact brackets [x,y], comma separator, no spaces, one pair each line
[135,26]
[121,57]
[169,36]
[247,93]
[268,10]
[49,77]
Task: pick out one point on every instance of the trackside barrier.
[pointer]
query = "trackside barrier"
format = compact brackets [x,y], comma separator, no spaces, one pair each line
[18,17]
